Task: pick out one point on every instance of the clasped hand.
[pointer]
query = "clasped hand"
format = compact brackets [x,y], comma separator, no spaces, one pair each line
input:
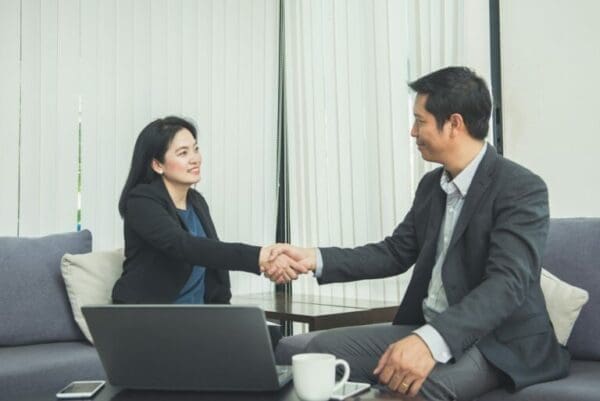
[282,263]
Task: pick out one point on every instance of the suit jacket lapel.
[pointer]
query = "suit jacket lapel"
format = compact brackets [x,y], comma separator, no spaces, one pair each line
[480,183]
[437,208]
[436,213]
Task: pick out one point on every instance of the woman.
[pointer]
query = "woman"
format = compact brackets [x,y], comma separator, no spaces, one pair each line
[172,252]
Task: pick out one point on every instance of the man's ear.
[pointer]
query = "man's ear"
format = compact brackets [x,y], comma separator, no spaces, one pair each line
[157,166]
[457,124]
[456,121]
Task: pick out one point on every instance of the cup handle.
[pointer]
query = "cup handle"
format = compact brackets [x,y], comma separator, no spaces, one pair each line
[344,379]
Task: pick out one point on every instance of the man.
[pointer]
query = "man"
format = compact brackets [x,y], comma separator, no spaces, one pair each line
[473,317]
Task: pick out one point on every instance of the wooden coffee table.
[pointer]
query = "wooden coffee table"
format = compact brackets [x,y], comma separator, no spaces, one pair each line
[320,312]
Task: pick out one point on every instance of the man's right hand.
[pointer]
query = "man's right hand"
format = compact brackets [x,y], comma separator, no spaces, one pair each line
[305,258]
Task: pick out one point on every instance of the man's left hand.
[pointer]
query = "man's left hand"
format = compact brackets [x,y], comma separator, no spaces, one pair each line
[405,365]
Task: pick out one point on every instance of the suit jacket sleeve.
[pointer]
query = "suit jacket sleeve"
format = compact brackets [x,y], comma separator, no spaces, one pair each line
[517,240]
[151,221]
[392,256]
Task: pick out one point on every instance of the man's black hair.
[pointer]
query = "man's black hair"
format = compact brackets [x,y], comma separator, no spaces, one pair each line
[457,90]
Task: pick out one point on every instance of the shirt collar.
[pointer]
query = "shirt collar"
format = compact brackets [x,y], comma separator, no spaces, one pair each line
[463,180]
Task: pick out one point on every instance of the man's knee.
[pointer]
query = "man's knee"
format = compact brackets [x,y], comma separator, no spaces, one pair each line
[325,341]
[344,346]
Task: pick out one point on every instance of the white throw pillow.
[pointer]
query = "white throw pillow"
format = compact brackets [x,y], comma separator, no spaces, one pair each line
[89,279]
[564,302]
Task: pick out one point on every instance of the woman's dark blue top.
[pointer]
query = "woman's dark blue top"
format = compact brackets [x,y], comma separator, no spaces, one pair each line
[193,290]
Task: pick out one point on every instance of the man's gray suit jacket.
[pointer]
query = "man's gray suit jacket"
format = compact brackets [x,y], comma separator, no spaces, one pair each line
[491,273]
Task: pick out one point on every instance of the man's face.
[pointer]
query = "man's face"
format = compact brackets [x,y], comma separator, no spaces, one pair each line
[431,142]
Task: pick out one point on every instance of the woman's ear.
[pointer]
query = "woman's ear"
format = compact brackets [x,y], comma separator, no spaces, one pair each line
[157,167]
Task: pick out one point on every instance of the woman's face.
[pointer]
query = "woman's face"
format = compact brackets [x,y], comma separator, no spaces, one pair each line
[182,160]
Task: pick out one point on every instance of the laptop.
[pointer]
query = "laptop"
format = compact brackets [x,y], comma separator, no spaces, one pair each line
[185,347]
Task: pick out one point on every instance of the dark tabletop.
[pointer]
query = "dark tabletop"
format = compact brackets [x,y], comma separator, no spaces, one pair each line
[111,393]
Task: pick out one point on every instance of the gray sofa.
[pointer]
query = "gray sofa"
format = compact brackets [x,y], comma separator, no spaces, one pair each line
[572,254]
[41,347]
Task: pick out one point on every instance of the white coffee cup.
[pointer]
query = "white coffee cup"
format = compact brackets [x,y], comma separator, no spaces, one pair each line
[314,376]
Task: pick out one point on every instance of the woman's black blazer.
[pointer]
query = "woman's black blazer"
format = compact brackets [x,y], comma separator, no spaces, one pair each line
[160,252]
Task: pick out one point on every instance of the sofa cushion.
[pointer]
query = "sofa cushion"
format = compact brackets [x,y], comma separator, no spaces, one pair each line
[35,308]
[89,279]
[580,385]
[564,303]
[573,254]
[46,368]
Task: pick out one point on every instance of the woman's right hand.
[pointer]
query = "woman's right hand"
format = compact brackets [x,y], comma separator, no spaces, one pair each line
[279,264]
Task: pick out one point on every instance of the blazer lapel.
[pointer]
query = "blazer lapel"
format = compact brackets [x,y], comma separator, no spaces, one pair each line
[158,183]
[205,219]
[480,183]
[201,211]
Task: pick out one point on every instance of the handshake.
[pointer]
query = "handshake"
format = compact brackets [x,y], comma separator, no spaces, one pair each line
[282,263]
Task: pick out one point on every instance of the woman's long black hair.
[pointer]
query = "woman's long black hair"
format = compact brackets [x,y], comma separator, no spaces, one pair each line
[152,143]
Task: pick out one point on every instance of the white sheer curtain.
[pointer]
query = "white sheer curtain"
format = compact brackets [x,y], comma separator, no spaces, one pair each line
[109,67]
[48,80]
[353,166]
[9,115]
[214,61]
[105,68]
